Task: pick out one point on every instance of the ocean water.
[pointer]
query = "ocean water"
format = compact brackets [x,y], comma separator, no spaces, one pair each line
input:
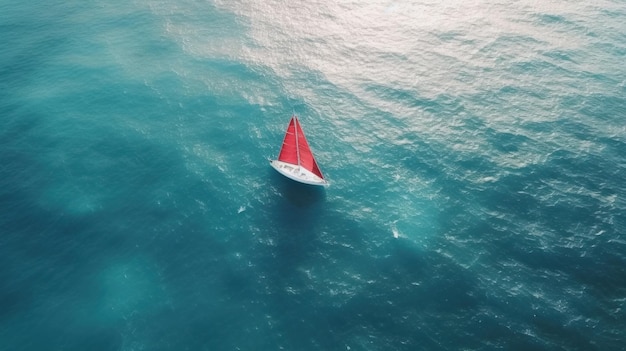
[476,152]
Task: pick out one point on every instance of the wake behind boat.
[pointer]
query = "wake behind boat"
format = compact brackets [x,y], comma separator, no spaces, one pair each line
[295,160]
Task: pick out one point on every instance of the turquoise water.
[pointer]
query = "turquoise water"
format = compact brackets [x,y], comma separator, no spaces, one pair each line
[476,153]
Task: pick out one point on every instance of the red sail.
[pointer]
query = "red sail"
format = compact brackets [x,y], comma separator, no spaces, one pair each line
[306,156]
[294,140]
[289,152]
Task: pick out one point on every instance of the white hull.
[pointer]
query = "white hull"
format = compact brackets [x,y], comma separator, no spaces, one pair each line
[297,173]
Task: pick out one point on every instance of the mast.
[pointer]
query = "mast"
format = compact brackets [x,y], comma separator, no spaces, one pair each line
[296,123]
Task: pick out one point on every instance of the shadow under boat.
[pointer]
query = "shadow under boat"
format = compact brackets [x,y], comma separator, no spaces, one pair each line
[298,194]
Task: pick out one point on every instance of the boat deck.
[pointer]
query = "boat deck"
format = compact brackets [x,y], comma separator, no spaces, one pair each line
[297,173]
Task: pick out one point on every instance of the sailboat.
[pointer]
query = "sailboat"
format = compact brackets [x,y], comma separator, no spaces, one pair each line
[295,160]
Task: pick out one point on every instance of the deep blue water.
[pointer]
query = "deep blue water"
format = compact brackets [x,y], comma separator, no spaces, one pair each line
[476,153]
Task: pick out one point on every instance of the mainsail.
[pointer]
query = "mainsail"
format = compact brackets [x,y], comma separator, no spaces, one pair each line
[289,150]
